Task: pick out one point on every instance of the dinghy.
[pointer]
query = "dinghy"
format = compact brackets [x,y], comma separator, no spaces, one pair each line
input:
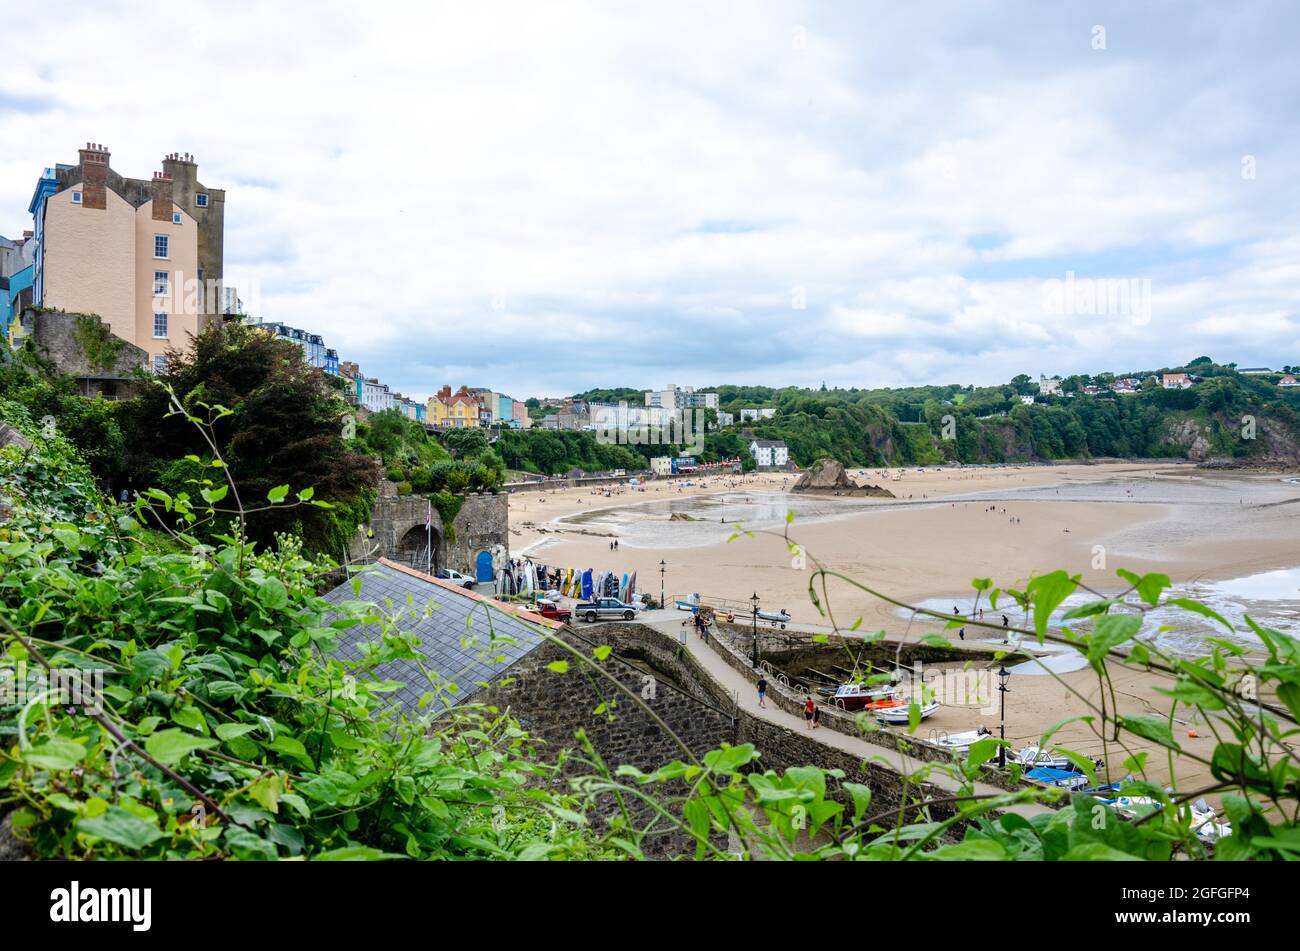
[898,711]
[959,743]
[1062,778]
[860,696]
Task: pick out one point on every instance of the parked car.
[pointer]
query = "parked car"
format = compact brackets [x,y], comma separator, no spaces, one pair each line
[549,609]
[455,577]
[604,609]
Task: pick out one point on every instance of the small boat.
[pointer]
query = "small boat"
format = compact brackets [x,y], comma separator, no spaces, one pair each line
[1063,778]
[859,696]
[780,618]
[1032,757]
[1203,820]
[899,711]
[957,742]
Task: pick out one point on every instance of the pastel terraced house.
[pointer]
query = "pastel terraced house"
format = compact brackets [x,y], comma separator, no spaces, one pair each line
[453,411]
[146,256]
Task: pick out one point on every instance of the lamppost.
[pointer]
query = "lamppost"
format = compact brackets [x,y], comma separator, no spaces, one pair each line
[1003,676]
[754,602]
[663,566]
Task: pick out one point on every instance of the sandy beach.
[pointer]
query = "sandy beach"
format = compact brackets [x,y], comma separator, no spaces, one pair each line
[945,527]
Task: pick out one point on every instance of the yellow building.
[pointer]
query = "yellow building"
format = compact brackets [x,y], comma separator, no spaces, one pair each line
[453,411]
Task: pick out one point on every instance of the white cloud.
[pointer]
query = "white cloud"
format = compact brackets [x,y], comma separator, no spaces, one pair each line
[648,187]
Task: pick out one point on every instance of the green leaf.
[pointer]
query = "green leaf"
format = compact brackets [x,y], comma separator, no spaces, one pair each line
[121,827]
[1150,728]
[293,749]
[192,718]
[171,746]
[228,731]
[1148,586]
[1097,852]
[55,753]
[558,666]
[1110,632]
[277,495]
[306,494]
[971,850]
[601,652]
[213,496]
[267,792]
[356,853]
[1196,607]
[1047,593]
[272,594]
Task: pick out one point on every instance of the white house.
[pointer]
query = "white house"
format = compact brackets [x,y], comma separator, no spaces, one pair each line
[1176,381]
[754,414]
[1255,371]
[376,396]
[680,397]
[661,465]
[1027,400]
[726,419]
[1288,380]
[769,453]
[1048,387]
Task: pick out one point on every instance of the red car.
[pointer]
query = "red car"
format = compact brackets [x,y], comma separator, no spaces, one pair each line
[554,612]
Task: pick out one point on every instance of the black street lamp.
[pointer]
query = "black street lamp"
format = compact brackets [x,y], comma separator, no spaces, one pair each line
[1003,676]
[663,566]
[754,602]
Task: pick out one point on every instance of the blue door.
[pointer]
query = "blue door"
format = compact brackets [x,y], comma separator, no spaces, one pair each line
[483,567]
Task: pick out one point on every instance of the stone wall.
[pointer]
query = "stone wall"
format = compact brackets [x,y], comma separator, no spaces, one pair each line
[81,345]
[697,708]
[481,524]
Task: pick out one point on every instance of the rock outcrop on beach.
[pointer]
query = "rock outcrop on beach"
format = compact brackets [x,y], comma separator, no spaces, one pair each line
[827,477]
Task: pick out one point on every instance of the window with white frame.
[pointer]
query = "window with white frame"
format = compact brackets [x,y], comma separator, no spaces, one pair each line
[176,217]
[161,245]
[201,200]
[161,284]
[76,198]
[159,362]
[160,325]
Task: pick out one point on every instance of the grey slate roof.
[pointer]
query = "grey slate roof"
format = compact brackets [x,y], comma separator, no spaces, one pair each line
[452,625]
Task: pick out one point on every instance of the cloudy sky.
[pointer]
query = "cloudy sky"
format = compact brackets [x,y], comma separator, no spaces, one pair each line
[540,198]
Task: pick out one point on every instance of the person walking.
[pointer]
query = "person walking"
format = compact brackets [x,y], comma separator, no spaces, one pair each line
[817,716]
[762,691]
[808,709]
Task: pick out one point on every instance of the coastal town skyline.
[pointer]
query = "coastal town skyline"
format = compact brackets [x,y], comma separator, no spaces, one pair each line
[774,214]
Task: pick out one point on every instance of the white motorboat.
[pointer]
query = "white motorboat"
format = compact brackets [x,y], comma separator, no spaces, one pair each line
[1203,820]
[1033,757]
[959,743]
[901,714]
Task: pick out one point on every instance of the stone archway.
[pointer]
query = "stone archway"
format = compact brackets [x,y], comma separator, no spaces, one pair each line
[412,549]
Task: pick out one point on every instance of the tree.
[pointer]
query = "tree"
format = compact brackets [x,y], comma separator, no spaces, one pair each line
[465,443]
[284,428]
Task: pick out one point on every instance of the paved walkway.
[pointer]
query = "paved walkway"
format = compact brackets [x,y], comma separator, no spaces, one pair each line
[669,622]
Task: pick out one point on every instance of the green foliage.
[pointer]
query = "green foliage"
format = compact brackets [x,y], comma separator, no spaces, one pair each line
[226,730]
[97,342]
[282,426]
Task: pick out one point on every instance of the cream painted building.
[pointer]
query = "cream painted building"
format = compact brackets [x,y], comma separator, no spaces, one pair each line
[125,250]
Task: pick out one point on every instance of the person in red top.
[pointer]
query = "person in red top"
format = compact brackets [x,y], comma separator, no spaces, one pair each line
[808,708]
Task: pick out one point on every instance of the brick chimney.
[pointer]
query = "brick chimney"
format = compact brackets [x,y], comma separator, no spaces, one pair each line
[444,394]
[161,192]
[94,176]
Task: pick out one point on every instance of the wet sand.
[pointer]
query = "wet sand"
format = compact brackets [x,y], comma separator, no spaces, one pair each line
[1196,526]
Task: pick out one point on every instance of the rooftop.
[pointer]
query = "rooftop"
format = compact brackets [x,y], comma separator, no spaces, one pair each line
[463,638]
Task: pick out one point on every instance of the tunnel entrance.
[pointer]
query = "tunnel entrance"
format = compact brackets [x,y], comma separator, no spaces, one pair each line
[413,549]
